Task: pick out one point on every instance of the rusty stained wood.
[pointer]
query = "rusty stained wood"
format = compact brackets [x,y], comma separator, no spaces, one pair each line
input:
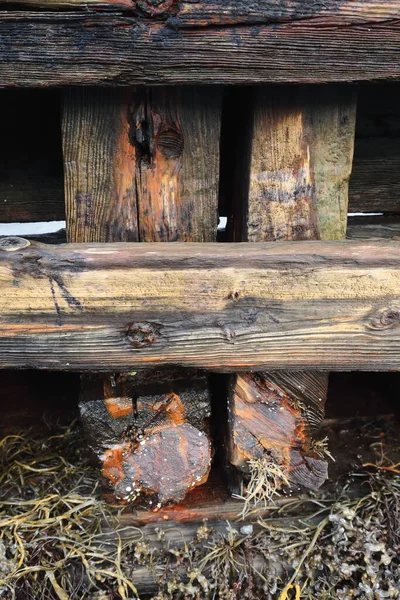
[74,48]
[141,164]
[298,162]
[217,306]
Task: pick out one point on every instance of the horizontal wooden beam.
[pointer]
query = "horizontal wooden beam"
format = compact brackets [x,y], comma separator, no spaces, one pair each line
[69,48]
[226,307]
[188,13]
[363,228]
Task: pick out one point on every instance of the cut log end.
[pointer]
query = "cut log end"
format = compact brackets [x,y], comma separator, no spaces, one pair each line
[276,421]
[151,434]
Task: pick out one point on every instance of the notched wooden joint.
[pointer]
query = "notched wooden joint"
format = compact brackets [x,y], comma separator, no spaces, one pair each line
[143,334]
[388,318]
[10,244]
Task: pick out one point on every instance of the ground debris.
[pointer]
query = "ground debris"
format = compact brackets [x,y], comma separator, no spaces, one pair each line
[324,545]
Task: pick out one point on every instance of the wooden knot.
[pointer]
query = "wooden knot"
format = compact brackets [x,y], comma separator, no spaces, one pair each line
[11,244]
[155,8]
[389,317]
[170,142]
[142,335]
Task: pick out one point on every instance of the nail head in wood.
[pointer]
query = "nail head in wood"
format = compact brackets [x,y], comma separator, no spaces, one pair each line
[11,244]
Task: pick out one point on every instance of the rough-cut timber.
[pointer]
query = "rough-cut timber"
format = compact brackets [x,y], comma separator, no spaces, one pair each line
[275,416]
[233,12]
[151,432]
[363,228]
[176,132]
[99,167]
[299,159]
[70,48]
[220,306]
[297,163]
[374,182]
[141,164]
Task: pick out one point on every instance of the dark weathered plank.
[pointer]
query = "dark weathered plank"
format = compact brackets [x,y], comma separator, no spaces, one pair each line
[375,182]
[99,167]
[76,4]
[234,12]
[297,305]
[363,228]
[141,164]
[42,49]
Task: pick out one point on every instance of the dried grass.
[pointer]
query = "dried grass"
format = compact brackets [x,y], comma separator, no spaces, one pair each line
[53,547]
[51,520]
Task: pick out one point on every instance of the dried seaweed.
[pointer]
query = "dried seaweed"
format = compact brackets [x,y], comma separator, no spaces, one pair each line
[53,544]
[51,520]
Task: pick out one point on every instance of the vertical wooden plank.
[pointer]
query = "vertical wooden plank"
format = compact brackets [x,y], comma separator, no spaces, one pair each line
[299,150]
[143,164]
[99,166]
[177,133]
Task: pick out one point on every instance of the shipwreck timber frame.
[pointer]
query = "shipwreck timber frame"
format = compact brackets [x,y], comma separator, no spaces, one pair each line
[224,307]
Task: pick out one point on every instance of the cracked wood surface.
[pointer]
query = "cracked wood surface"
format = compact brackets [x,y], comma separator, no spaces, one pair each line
[72,48]
[335,305]
[298,160]
[202,13]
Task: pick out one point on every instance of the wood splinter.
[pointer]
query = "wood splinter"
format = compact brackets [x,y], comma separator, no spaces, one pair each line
[150,432]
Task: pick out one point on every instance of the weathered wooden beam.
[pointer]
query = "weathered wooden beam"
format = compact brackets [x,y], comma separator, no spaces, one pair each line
[298,160]
[74,4]
[219,306]
[69,48]
[230,12]
[143,164]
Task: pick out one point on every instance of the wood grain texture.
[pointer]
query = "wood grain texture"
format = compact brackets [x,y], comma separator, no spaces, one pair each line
[85,5]
[234,12]
[177,133]
[275,417]
[99,167]
[150,431]
[300,158]
[299,155]
[227,307]
[141,164]
[71,48]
